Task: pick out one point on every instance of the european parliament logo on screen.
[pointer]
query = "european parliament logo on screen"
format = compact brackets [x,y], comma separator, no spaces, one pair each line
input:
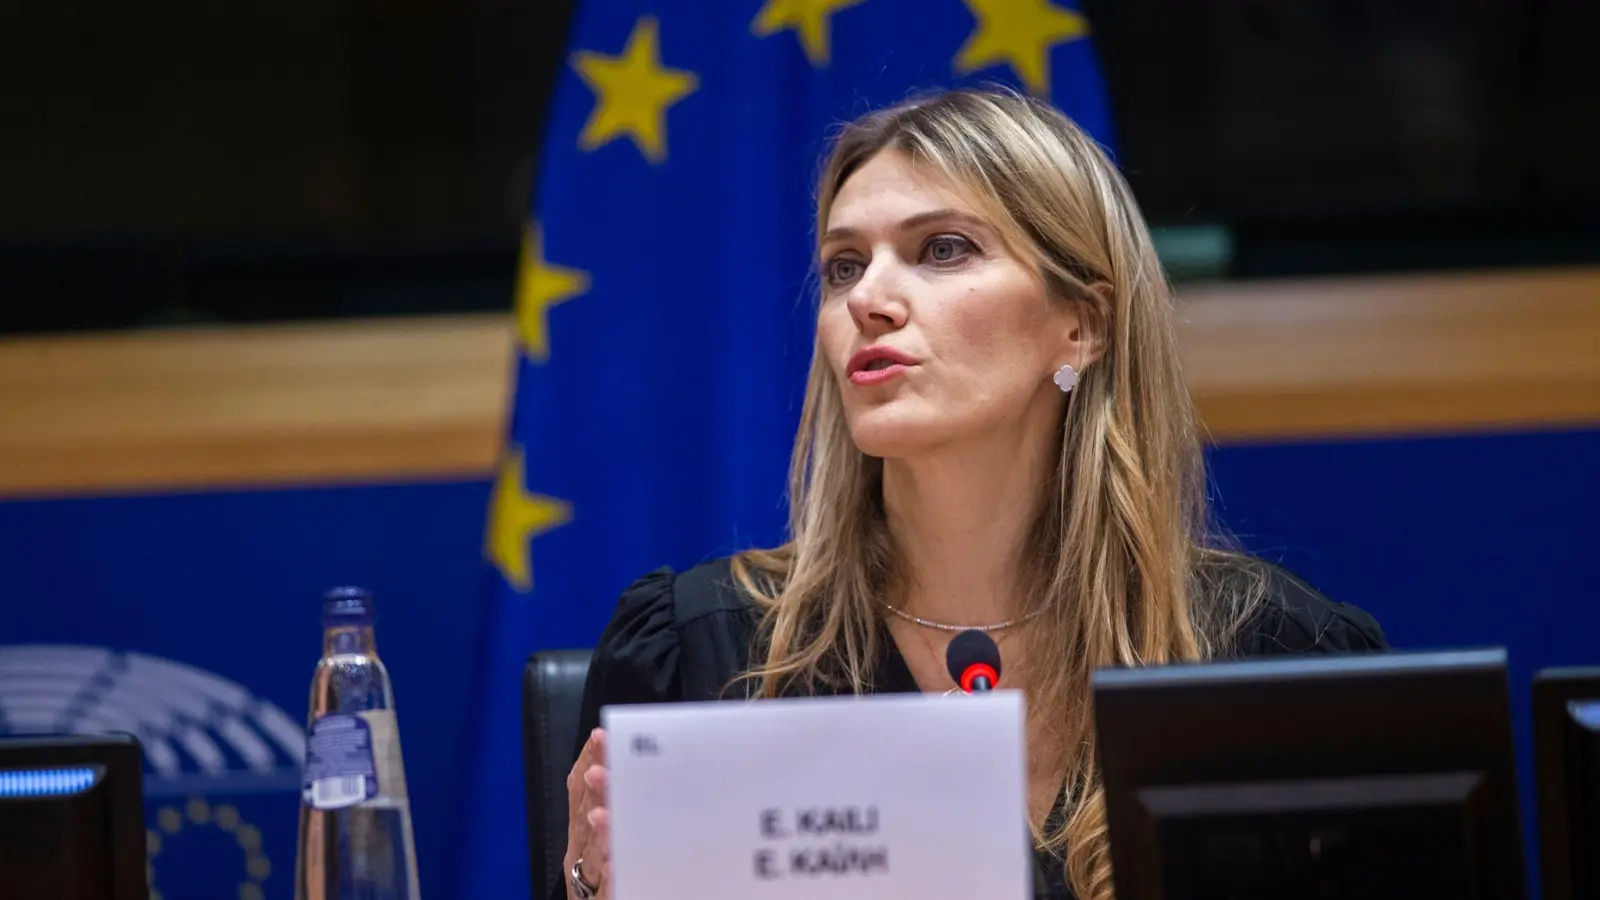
[208,742]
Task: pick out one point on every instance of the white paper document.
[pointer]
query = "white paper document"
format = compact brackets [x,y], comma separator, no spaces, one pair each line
[889,796]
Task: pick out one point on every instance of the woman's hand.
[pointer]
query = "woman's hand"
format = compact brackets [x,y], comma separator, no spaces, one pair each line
[588,820]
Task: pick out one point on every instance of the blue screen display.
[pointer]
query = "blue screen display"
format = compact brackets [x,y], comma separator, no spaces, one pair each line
[45,782]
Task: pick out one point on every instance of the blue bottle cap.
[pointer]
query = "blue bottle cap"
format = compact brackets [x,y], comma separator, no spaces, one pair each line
[347,606]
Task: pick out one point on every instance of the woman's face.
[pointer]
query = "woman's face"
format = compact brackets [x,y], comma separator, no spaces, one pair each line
[936,333]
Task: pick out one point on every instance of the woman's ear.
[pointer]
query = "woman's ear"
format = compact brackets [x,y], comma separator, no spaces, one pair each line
[1089,328]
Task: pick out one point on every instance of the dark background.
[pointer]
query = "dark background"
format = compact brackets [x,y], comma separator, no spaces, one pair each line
[188,161]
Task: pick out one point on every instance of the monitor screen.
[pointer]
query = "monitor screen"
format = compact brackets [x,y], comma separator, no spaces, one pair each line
[1375,776]
[72,818]
[1566,750]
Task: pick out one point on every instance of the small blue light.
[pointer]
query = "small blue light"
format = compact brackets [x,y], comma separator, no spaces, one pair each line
[45,782]
[1587,712]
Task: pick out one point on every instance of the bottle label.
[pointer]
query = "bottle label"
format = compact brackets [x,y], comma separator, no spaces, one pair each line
[386,753]
[339,762]
[352,758]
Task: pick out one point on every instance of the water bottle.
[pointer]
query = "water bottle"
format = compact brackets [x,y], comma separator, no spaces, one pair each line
[355,818]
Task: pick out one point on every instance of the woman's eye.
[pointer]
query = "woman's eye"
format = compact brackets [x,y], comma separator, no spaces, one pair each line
[842,270]
[947,247]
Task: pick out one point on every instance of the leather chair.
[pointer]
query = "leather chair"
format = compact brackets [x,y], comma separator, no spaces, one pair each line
[552,693]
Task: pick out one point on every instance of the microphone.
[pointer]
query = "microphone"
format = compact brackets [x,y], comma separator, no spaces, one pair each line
[973,661]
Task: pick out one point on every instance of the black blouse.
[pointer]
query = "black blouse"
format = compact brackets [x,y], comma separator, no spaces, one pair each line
[685,636]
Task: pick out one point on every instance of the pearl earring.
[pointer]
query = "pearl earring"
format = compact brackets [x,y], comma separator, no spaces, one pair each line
[1065,378]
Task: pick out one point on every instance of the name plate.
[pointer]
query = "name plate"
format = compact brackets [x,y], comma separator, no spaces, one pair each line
[840,797]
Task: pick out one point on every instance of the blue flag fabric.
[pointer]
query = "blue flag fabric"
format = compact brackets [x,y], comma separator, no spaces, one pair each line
[664,309]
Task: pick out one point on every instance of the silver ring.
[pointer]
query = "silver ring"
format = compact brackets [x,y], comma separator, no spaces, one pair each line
[581,889]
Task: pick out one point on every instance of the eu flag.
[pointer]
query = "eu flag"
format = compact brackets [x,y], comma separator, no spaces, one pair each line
[664,309]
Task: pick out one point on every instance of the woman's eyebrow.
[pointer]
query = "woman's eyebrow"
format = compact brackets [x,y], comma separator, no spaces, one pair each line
[913,222]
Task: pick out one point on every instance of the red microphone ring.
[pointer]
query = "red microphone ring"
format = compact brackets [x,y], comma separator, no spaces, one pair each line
[976,669]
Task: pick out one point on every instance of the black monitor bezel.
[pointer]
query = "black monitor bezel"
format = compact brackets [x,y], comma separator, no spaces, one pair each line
[1305,718]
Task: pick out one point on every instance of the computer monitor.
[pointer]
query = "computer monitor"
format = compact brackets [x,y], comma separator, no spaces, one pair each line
[1566,754]
[1370,776]
[72,818]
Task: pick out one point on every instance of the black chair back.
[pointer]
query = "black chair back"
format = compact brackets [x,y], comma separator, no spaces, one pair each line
[552,694]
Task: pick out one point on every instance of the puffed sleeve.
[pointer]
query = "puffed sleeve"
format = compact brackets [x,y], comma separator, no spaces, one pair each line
[637,657]
[1295,618]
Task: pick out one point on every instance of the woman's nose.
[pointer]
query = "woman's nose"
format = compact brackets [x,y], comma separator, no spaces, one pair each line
[878,301]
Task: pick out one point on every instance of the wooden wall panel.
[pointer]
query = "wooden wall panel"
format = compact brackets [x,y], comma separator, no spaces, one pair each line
[1395,355]
[426,398]
[351,401]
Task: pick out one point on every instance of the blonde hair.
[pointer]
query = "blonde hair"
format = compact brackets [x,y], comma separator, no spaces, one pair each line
[1116,560]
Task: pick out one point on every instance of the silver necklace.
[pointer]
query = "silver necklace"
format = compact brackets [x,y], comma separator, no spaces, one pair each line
[929,623]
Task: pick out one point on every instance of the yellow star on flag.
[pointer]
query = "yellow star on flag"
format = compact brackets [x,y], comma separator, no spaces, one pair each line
[540,286]
[1019,32]
[515,518]
[632,92]
[807,17]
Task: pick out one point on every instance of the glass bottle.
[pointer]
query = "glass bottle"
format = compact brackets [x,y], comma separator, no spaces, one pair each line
[355,818]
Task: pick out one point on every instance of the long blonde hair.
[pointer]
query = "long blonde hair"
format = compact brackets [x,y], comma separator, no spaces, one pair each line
[1116,560]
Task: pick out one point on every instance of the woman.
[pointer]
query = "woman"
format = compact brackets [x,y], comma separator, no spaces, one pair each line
[996,434]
